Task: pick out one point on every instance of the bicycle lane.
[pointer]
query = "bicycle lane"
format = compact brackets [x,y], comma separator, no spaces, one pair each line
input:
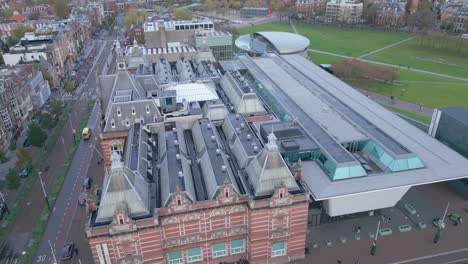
[66,204]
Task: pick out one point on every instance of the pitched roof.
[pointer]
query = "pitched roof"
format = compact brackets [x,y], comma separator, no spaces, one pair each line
[18,18]
[123,189]
[268,170]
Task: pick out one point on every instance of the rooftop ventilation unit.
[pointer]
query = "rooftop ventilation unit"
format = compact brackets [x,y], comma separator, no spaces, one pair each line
[223,168]
[218,152]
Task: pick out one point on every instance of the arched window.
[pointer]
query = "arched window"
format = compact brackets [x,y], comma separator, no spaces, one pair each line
[281,193]
[226,192]
[119,113]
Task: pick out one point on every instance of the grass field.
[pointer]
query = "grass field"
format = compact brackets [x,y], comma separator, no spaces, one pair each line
[419,88]
[413,115]
[350,42]
[430,90]
[446,61]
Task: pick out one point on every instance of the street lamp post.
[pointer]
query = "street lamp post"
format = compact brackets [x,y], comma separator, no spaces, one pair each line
[44,191]
[441,225]
[374,243]
[71,126]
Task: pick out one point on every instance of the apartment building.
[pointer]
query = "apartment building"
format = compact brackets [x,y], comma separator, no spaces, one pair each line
[343,11]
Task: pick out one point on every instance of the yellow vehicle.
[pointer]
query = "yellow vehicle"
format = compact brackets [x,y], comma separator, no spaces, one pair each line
[86,133]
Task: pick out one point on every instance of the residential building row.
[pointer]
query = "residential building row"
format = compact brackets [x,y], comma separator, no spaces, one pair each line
[22,90]
[454,16]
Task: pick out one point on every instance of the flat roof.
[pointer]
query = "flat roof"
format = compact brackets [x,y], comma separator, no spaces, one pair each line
[384,129]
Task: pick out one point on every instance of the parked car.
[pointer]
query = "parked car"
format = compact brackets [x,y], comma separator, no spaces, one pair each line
[87,182]
[68,250]
[82,199]
[24,173]
[456,219]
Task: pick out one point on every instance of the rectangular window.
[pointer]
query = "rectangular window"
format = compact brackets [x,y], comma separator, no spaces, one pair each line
[194,255]
[278,249]
[175,257]
[219,250]
[237,246]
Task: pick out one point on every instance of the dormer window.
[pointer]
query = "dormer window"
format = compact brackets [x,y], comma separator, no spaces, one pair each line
[113,123]
[133,110]
[119,113]
[226,192]
[142,121]
[281,193]
[179,200]
[120,219]
[127,123]
[147,109]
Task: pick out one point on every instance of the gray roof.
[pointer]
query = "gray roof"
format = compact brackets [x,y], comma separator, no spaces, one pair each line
[122,115]
[290,136]
[213,164]
[457,112]
[123,189]
[175,172]
[393,134]
[285,42]
[268,170]
[391,7]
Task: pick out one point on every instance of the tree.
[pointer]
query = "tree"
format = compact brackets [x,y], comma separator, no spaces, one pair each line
[36,135]
[425,18]
[183,14]
[369,12]
[13,180]
[133,16]
[69,86]
[55,106]
[48,77]
[23,159]
[47,121]
[209,4]
[34,16]
[2,61]
[3,156]
[19,31]
[61,8]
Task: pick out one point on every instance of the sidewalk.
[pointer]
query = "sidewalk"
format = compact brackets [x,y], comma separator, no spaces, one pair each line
[382,99]
[28,212]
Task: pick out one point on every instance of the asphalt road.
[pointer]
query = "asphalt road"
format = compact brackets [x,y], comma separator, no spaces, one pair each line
[65,207]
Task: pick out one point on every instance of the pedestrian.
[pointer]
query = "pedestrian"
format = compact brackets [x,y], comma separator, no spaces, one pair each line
[358,231]
[76,250]
[338,262]
[388,220]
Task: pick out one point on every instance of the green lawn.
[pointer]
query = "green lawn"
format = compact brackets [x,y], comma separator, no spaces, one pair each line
[430,95]
[423,118]
[319,58]
[350,42]
[440,60]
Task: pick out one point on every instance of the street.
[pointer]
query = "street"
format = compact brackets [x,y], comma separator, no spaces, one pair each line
[61,218]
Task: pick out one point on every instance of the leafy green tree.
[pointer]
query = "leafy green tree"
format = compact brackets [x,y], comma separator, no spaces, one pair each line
[69,86]
[13,180]
[23,159]
[19,31]
[36,135]
[47,121]
[55,106]
[48,77]
[183,14]
[3,156]
[61,8]
[133,16]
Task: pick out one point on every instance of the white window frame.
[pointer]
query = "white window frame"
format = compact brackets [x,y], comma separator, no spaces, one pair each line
[238,250]
[219,253]
[176,261]
[196,258]
[279,252]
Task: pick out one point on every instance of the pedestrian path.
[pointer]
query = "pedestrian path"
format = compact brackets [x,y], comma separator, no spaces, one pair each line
[391,65]
[386,47]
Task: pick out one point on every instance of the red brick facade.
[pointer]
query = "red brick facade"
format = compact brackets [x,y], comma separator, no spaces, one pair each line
[178,228]
[110,139]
